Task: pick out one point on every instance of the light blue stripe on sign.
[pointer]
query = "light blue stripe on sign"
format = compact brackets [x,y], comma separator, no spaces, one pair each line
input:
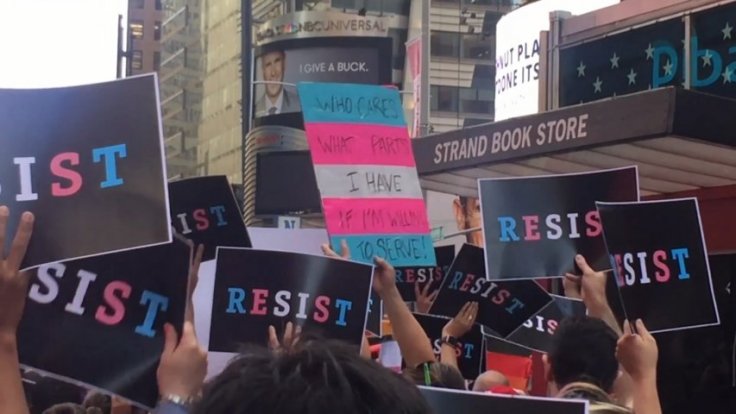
[351,103]
[400,250]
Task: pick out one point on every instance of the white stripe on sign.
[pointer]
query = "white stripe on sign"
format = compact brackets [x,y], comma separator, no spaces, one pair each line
[368,181]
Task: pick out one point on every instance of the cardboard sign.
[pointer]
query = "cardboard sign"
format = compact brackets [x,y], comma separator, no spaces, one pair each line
[444,401]
[88,162]
[534,226]
[408,277]
[205,211]
[374,324]
[661,263]
[503,305]
[99,321]
[536,333]
[258,288]
[469,350]
[366,172]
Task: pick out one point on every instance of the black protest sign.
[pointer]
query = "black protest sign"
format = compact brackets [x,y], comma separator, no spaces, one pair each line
[256,288]
[408,277]
[88,162]
[204,210]
[374,323]
[503,305]
[536,333]
[445,401]
[660,261]
[469,349]
[534,226]
[99,321]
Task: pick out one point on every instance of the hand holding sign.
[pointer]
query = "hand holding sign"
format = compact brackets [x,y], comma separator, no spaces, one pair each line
[638,352]
[13,283]
[590,287]
[183,363]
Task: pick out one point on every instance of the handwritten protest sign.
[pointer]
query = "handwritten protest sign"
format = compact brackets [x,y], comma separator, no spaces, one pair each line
[661,264]
[99,321]
[366,172]
[88,162]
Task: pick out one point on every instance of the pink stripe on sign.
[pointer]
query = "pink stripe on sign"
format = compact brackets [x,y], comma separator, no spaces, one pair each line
[335,143]
[375,216]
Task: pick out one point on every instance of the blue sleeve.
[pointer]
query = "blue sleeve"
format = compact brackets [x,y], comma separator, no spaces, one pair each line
[166,407]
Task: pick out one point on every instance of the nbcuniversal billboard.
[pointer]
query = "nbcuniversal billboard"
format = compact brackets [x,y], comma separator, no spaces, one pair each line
[518,49]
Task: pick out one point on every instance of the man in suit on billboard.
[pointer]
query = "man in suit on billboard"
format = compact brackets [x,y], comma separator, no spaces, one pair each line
[276,99]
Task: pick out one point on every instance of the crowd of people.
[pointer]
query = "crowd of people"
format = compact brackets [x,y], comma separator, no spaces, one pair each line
[592,358]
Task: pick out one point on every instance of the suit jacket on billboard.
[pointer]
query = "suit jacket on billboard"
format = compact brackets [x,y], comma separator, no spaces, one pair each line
[289,104]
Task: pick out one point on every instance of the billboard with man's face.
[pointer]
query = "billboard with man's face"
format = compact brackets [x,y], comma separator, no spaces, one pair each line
[279,69]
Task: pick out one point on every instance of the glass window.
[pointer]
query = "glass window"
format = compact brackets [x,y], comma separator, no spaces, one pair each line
[138,4]
[446,44]
[443,98]
[477,47]
[158,5]
[476,101]
[156,60]
[137,60]
[157,31]
[136,29]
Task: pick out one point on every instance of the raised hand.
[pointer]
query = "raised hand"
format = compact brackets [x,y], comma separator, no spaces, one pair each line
[13,283]
[344,249]
[463,322]
[424,299]
[290,338]
[183,365]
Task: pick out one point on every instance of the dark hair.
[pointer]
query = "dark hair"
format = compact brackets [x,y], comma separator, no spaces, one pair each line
[584,350]
[313,377]
[440,375]
[100,401]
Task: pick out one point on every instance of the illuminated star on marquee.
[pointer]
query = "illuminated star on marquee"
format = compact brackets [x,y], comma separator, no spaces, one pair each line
[727,75]
[632,77]
[668,68]
[706,58]
[614,61]
[650,52]
[581,69]
[727,31]
[597,85]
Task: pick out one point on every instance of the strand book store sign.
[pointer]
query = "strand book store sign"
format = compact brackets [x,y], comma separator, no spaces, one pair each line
[566,129]
[366,172]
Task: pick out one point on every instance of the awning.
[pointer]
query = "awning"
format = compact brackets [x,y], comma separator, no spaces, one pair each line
[681,140]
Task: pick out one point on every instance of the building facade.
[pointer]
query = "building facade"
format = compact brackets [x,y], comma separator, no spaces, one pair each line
[144,36]
[180,77]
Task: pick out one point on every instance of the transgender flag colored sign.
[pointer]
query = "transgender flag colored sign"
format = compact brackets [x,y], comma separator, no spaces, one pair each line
[366,172]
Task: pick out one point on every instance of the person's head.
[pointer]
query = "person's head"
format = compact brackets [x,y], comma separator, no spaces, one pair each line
[489,380]
[467,216]
[583,350]
[98,401]
[68,408]
[313,377]
[272,64]
[440,376]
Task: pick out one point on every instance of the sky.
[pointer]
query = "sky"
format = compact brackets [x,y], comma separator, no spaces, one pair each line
[47,43]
